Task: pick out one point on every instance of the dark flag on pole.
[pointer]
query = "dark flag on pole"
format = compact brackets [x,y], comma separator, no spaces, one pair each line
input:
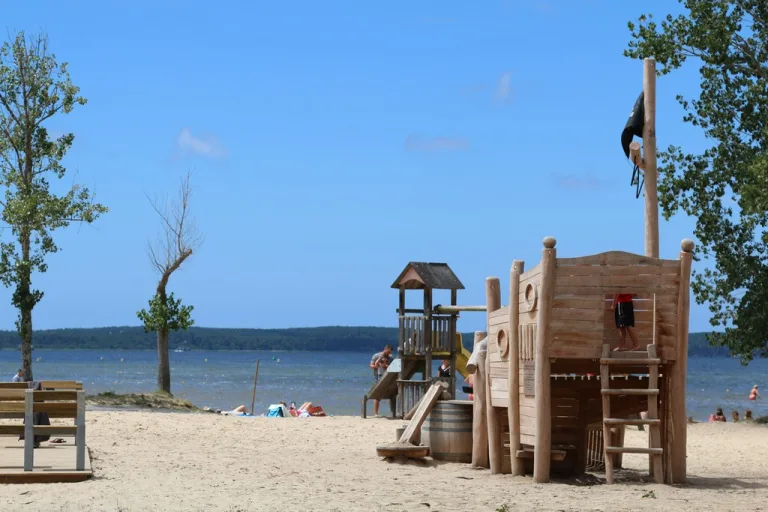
[634,127]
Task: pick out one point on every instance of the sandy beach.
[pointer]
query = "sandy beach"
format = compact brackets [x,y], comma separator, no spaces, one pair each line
[189,462]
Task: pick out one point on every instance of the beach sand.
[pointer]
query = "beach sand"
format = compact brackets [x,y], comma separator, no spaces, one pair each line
[175,461]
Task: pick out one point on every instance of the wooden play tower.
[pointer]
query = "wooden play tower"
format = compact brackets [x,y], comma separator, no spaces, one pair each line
[425,334]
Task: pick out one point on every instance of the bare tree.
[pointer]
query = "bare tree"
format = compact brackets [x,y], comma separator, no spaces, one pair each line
[179,238]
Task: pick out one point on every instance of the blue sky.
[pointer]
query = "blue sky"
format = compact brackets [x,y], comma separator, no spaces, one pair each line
[333,142]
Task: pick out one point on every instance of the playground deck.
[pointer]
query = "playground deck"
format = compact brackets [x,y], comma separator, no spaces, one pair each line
[53,463]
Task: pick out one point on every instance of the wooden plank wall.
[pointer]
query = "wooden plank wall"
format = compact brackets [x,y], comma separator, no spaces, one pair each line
[582,319]
[565,416]
[498,320]
[528,308]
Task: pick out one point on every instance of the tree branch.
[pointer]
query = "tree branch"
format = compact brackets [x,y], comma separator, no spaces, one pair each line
[179,237]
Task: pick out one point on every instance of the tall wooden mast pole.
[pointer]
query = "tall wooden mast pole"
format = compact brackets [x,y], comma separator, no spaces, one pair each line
[649,141]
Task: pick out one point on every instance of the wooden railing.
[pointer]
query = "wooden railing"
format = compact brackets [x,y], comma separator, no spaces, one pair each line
[442,335]
[409,394]
[412,335]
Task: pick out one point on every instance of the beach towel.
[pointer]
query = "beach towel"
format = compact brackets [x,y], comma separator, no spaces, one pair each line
[278,411]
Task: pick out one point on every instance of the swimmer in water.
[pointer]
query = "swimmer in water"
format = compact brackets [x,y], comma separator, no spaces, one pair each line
[754,394]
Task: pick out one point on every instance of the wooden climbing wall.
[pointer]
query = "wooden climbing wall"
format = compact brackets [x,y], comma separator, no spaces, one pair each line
[581,316]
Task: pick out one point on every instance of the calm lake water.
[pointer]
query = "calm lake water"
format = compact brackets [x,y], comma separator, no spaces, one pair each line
[335,380]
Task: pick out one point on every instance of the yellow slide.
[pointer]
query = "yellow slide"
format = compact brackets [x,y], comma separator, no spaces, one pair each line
[462,357]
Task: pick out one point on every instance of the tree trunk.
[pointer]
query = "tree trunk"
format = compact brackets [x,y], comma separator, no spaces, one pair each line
[163,364]
[24,301]
[25,331]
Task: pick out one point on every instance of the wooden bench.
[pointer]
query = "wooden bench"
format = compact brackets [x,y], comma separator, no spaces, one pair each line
[57,385]
[16,402]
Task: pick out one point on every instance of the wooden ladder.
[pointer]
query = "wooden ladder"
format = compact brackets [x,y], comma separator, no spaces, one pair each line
[654,449]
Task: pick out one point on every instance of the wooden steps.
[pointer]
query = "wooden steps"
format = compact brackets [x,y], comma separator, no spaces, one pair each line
[629,391]
[557,454]
[633,361]
[623,421]
[633,449]
[654,449]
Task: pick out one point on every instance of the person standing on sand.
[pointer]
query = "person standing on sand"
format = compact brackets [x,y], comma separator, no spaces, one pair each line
[624,315]
[379,363]
[19,377]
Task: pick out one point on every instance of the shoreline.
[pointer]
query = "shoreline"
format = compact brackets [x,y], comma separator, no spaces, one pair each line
[144,460]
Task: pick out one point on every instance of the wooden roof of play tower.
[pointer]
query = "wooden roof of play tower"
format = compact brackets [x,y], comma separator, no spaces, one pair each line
[420,276]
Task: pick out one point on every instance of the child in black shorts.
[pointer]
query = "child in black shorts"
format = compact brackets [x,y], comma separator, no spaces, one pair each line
[624,315]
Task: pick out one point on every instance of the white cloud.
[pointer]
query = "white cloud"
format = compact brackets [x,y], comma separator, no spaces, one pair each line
[434,144]
[207,146]
[504,87]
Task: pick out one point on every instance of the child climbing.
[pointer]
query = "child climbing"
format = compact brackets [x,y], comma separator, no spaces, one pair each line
[624,314]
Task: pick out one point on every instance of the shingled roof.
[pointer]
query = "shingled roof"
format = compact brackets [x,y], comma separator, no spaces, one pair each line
[419,275]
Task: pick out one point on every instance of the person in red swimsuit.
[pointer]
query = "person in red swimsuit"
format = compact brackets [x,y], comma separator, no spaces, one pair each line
[624,314]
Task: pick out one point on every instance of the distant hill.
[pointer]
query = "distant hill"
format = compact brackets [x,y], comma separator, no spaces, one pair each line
[332,338]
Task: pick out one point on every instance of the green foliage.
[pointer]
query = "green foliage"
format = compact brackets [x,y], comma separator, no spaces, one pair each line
[166,314]
[726,187]
[33,89]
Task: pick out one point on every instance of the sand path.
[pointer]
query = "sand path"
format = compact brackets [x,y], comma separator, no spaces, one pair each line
[190,462]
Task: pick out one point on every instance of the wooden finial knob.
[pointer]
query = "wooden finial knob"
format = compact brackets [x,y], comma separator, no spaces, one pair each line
[687,245]
[549,242]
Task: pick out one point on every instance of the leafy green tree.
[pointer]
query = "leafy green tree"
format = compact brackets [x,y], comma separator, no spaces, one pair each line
[33,89]
[180,237]
[725,187]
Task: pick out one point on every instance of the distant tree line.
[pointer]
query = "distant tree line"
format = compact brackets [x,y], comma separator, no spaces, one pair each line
[364,339]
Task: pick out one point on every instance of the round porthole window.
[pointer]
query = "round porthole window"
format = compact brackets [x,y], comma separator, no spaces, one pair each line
[531,295]
[503,342]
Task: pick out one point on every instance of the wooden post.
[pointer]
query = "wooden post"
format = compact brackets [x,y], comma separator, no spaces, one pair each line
[495,442]
[253,396]
[427,332]
[400,313]
[29,430]
[454,347]
[654,431]
[513,382]
[678,418]
[543,449]
[649,141]
[605,376]
[402,340]
[479,410]
[80,432]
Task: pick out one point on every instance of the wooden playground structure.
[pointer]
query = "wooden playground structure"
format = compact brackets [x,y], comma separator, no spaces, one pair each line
[557,329]
[552,395]
[416,326]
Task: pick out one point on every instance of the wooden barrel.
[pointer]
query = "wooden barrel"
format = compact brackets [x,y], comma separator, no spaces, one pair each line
[448,431]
